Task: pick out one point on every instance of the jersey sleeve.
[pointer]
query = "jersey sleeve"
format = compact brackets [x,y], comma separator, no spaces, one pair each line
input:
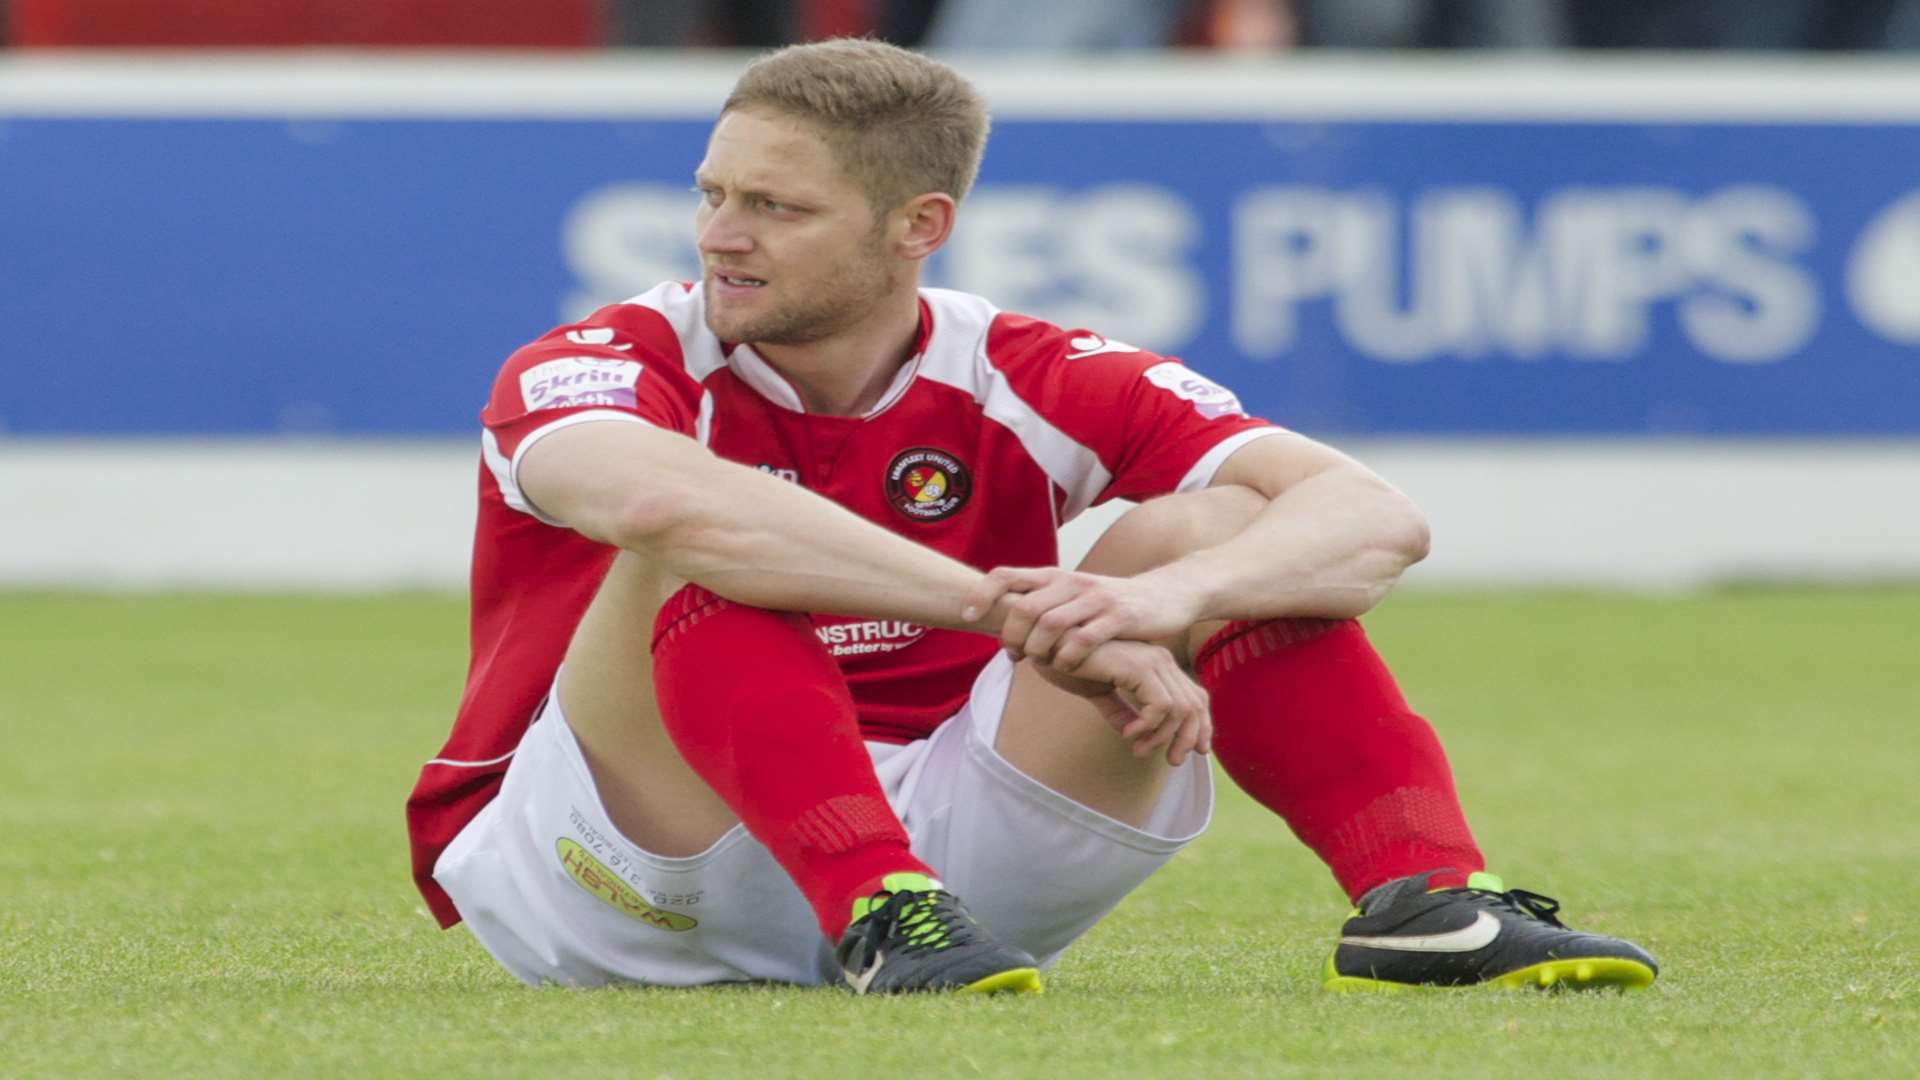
[1152,425]
[621,364]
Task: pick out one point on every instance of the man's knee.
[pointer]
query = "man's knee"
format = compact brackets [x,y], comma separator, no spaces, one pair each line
[1163,529]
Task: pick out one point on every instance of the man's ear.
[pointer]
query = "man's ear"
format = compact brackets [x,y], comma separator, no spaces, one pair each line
[923,224]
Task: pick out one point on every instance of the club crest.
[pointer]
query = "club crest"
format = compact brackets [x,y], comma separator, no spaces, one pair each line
[925,484]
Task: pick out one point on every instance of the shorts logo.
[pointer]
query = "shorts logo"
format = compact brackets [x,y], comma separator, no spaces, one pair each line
[579,380]
[1209,398]
[925,484]
[590,874]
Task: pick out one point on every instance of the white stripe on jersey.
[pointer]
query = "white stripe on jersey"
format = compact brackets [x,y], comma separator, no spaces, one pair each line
[506,474]
[957,356]
[1202,472]
[902,380]
[472,764]
[502,471]
[703,424]
[765,381]
[686,311]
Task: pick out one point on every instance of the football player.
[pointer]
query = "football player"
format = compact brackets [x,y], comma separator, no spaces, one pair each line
[771,664]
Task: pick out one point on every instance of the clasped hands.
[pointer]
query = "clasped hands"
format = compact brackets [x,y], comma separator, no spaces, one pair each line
[1095,636]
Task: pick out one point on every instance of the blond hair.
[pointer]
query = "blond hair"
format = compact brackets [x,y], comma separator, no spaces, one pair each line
[899,123]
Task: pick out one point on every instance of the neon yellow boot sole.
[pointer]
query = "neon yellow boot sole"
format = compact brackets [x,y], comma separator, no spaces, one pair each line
[1012,981]
[1590,973]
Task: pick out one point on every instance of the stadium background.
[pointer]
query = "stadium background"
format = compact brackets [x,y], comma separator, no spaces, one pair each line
[1619,319]
[1614,318]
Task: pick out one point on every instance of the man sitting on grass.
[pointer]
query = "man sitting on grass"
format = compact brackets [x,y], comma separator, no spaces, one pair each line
[737,710]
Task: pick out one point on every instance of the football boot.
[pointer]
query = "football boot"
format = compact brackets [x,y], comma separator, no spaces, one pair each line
[915,936]
[1403,936]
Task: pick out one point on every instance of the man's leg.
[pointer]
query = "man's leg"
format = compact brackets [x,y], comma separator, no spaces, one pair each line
[695,712]
[1062,740]
[1309,722]
[606,691]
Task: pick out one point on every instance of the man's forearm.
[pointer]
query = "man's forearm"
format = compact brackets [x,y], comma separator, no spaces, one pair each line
[760,540]
[1329,546]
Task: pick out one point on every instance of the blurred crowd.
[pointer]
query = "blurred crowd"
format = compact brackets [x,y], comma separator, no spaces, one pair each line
[960,25]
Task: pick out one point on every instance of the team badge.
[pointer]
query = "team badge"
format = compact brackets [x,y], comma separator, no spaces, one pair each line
[925,484]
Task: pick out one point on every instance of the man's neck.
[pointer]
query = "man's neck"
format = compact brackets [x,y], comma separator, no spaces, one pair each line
[847,374]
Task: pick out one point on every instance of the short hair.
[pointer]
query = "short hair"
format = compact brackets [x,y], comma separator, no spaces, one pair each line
[900,123]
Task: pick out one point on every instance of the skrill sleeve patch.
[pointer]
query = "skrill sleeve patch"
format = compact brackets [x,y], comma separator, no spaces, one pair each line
[579,380]
[1209,398]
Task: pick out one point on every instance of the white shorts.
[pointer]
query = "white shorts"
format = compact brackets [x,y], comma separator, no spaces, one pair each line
[557,894]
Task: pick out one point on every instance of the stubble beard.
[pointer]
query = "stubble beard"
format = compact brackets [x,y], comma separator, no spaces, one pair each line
[854,288]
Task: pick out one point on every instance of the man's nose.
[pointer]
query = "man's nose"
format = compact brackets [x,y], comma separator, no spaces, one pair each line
[722,232]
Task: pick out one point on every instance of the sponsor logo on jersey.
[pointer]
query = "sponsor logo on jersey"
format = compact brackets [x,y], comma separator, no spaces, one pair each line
[579,380]
[1209,398]
[592,875]
[869,637]
[1093,345]
[925,484]
[791,476]
[595,335]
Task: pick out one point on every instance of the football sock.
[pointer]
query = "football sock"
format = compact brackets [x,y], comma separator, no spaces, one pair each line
[1309,722]
[761,713]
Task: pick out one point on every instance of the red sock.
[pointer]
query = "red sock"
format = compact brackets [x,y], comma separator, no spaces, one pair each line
[760,712]
[1308,721]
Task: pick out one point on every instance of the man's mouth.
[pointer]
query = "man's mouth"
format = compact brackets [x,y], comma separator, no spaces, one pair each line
[739,280]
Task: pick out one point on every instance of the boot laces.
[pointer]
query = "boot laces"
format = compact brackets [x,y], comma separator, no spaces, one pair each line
[917,921]
[1544,908]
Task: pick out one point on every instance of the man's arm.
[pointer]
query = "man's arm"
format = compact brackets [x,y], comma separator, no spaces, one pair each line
[1332,541]
[759,540]
[745,534]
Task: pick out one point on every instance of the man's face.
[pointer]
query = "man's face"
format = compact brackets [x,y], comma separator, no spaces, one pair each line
[790,250]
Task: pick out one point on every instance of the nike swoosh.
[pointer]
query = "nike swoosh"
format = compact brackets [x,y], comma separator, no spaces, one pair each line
[1466,939]
[861,981]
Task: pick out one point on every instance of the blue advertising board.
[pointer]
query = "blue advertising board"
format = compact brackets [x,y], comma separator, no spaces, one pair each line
[365,275]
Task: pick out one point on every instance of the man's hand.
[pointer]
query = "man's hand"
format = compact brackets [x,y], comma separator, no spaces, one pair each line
[1142,692]
[1062,616]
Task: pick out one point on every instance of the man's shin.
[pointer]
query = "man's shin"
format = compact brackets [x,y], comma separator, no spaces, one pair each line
[1309,722]
[779,743]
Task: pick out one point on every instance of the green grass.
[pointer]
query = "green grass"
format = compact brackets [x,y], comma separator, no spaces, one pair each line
[202,867]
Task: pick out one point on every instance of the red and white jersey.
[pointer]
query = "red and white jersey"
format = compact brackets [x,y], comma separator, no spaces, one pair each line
[998,430]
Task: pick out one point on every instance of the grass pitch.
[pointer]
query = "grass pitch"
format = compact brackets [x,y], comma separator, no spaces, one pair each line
[202,868]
